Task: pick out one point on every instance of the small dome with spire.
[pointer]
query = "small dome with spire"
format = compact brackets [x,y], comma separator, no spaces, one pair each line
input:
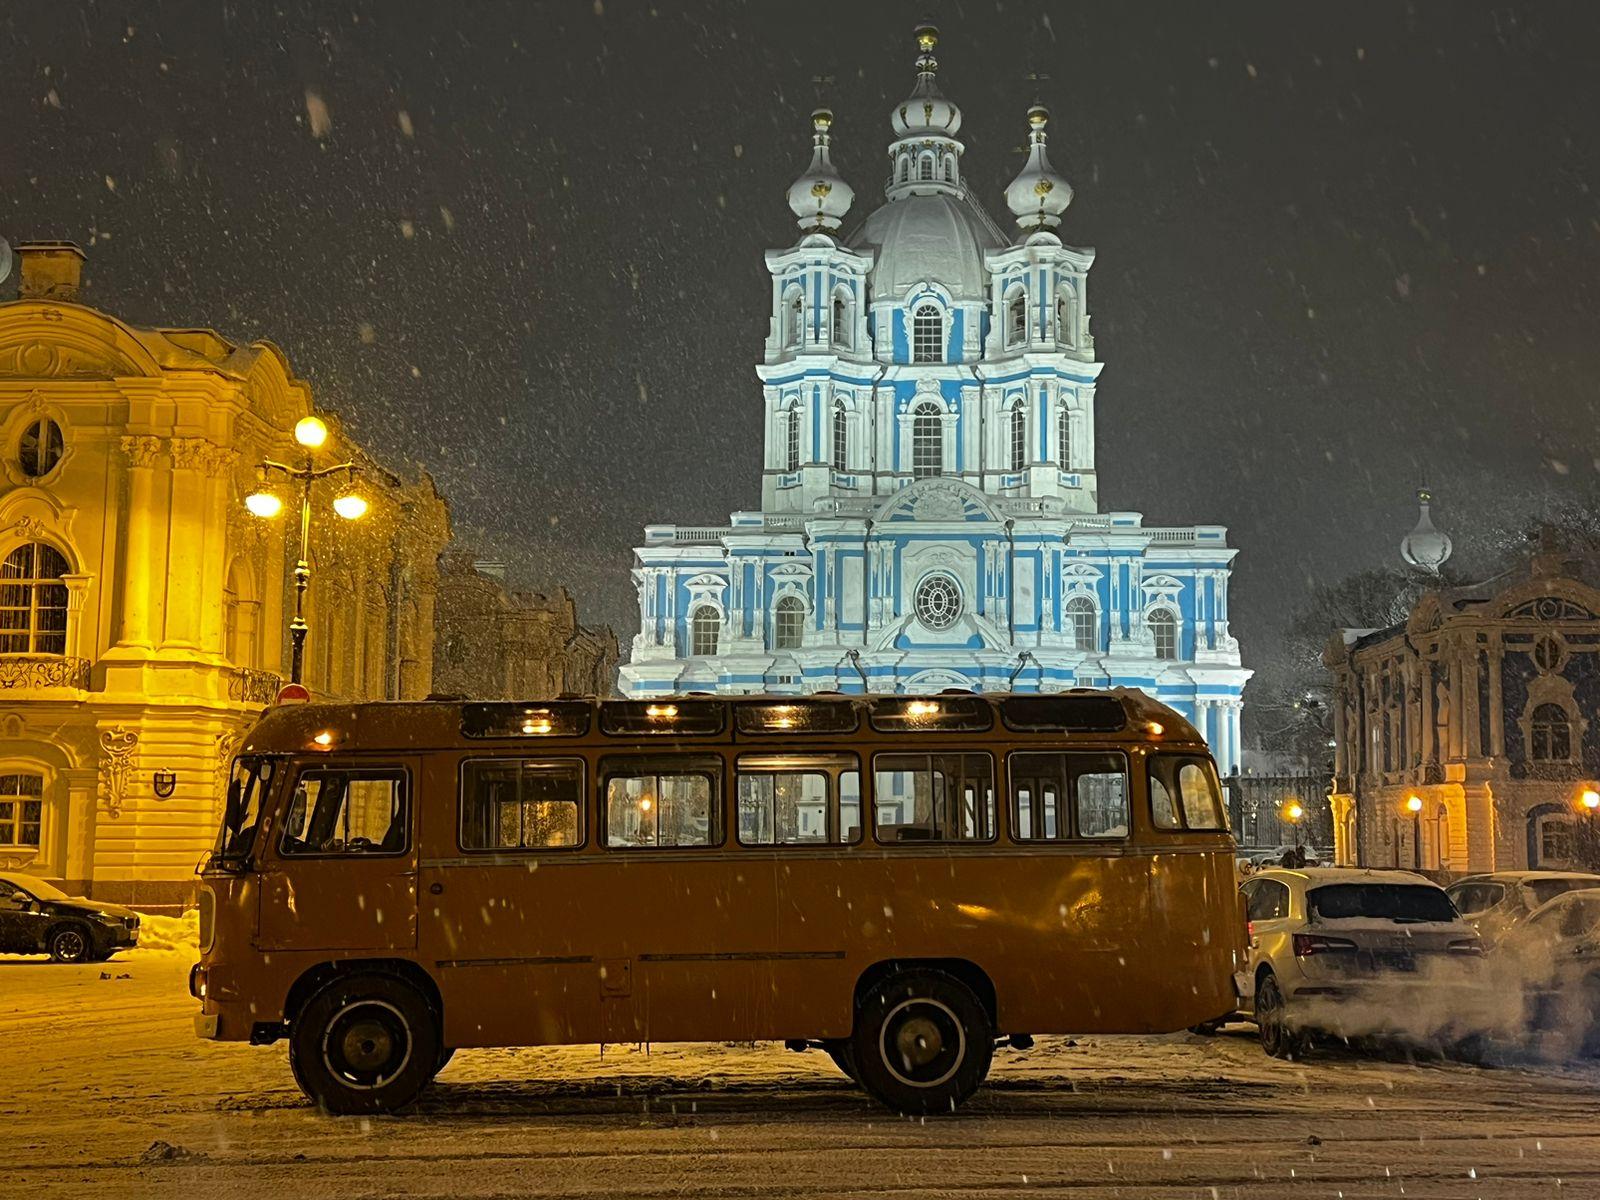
[926,113]
[820,197]
[1425,547]
[1038,195]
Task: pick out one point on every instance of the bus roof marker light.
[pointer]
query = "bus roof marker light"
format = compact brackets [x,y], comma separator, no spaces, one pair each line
[537,725]
[661,712]
[922,708]
[323,739]
[1156,728]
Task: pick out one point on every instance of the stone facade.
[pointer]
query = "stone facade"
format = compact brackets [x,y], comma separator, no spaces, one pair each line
[143,610]
[1481,705]
[498,644]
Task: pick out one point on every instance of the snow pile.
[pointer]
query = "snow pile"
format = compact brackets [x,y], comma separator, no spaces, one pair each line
[179,936]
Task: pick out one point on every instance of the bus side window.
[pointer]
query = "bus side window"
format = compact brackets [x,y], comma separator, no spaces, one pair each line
[1043,782]
[521,804]
[933,797]
[799,799]
[655,803]
[354,811]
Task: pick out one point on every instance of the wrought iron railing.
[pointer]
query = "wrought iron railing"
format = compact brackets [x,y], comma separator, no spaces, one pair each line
[250,686]
[29,671]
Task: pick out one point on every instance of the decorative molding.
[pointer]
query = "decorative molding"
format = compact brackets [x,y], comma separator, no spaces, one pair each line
[117,746]
[141,449]
[191,454]
[227,743]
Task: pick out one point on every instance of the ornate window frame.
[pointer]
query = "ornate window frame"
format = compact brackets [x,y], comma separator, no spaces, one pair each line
[1552,690]
[30,412]
[917,317]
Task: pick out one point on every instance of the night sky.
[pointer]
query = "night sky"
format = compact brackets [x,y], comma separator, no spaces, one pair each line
[1342,246]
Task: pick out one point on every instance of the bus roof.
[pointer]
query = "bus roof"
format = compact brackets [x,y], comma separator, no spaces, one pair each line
[1122,714]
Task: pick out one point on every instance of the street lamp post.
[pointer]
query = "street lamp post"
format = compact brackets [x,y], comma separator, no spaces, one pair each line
[1294,812]
[1414,807]
[311,433]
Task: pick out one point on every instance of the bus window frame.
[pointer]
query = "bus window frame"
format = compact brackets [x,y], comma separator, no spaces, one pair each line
[835,799]
[718,807]
[1074,838]
[1179,757]
[584,794]
[932,753]
[740,708]
[300,768]
[669,726]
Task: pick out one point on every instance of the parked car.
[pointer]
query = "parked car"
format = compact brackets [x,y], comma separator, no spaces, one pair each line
[1350,953]
[1496,902]
[1555,952]
[39,918]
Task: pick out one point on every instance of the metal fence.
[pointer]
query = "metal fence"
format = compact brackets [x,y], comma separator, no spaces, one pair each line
[1258,804]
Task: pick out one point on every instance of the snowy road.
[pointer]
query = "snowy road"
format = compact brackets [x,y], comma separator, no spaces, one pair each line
[98,1071]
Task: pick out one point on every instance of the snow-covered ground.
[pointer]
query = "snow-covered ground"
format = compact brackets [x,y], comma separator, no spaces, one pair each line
[104,1091]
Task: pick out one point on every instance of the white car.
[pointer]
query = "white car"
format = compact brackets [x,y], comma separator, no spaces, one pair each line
[1355,953]
[1498,902]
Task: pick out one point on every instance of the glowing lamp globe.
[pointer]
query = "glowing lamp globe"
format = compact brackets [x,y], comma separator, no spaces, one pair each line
[350,506]
[1293,811]
[1413,804]
[263,504]
[1590,799]
[310,432]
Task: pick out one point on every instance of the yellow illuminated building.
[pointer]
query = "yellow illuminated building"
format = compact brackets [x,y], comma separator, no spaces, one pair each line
[143,610]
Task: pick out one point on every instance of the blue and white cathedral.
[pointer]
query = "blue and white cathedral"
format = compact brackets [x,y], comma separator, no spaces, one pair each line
[929,513]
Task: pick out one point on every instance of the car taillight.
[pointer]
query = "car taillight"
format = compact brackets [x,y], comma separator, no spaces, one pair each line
[1307,944]
[1466,946]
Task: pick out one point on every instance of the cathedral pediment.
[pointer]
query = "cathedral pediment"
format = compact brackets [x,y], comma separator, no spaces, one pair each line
[938,500]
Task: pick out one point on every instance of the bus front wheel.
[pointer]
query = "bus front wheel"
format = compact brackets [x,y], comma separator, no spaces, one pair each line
[923,1042]
[364,1044]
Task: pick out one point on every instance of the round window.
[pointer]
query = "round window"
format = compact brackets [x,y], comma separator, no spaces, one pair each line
[40,448]
[938,602]
[1548,653]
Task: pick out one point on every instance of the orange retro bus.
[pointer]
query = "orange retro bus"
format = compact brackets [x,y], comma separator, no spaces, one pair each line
[901,881]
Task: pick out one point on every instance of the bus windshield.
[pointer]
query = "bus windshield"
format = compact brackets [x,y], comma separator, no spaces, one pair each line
[241,815]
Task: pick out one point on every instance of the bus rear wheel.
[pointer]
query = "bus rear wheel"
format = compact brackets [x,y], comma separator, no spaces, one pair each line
[923,1042]
[364,1044]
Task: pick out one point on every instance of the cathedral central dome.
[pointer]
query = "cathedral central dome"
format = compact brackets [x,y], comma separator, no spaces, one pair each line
[938,236]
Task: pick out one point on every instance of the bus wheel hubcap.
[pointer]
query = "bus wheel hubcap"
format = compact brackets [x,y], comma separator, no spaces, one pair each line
[922,1042]
[367,1044]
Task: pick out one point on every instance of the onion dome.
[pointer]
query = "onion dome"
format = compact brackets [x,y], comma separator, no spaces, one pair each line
[1038,196]
[820,197]
[926,113]
[1425,548]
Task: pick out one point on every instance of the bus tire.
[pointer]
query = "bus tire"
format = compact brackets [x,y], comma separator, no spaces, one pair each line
[843,1057]
[923,1042]
[364,1043]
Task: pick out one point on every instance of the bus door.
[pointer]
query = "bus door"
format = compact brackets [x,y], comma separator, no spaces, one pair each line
[340,869]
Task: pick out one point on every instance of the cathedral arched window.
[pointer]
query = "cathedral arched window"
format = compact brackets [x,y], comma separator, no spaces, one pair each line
[1081,622]
[927,334]
[927,441]
[842,331]
[705,628]
[791,437]
[788,623]
[1017,318]
[33,601]
[949,170]
[1064,437]
[1551,734]
[1163,624]
[925,169]
[1019,437]
[841,437]
[793,317]
[905,169]
[1065,334]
